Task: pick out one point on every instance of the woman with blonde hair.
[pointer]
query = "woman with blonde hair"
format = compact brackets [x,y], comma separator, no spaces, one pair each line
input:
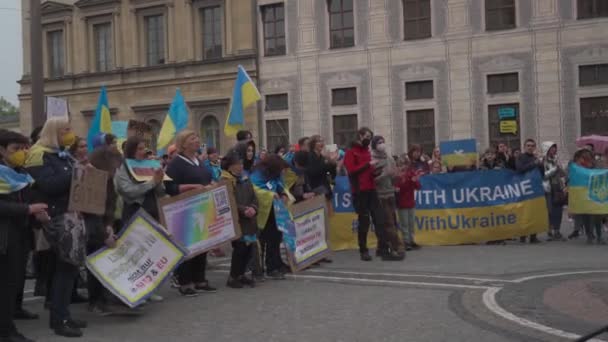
[188,173]
[51,166]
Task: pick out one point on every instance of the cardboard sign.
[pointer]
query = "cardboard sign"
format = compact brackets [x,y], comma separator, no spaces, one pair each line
[143,131]
[304,231]
[143,170]
[56,107]
[88,191]
[201,220]
[143,259]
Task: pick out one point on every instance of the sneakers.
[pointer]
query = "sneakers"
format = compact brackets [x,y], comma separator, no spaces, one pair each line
[205,288]
[188,292]
[174,282]
[276,275]
[365,256]
[67,329]
[234,283]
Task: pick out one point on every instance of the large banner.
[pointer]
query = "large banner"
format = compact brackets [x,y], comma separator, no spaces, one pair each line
[587,190]
[467,207]
[304,231]
[344,225]
[202,219]
[143,258]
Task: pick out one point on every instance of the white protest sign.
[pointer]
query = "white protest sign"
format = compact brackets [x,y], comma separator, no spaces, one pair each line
[56,107]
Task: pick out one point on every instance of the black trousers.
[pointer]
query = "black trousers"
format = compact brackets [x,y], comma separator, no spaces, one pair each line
[241,253]
[21,284]
[12,268]
[64,281]
[270,239]
[193,271]
[367,207]
[97,292]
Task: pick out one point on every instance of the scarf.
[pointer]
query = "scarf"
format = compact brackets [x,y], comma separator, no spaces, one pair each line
[13,181]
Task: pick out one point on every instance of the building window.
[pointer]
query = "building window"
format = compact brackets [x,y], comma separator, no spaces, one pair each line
[55,53]
[277,133]
[273,19]
[500,15]
[419,90]
[594,115]
[103,46]
[344,97]
[155,39]
[501,125]
[503,83]
[421,129]
[345,129]
[417,19]
[277,102]
[210,132]
[212,32]
[590,75]
[341,23]
[588,9]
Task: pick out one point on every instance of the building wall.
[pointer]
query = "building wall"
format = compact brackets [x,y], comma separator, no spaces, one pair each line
[545,49]
[136,90]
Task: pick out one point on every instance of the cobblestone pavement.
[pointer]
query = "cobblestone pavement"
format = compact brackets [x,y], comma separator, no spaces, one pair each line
[555,291]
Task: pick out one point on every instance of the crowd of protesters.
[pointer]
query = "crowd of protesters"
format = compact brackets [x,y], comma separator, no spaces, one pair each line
[36,175]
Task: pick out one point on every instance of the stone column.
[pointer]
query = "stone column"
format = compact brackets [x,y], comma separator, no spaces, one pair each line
[308,66]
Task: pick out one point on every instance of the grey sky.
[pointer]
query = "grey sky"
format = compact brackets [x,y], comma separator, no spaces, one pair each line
[10,56]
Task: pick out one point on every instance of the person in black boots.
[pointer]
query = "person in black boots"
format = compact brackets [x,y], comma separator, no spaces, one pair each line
[15,214]
[247,206]
[529,161]
[188,173]
[51,167]
[360,167]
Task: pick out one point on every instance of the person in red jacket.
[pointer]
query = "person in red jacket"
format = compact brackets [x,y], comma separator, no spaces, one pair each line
[359,165]
[407,183]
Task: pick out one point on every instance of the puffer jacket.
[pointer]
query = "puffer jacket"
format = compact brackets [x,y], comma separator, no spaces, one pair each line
[245,197]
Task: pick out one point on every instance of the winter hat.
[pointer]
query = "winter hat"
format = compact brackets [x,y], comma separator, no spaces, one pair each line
[375,140]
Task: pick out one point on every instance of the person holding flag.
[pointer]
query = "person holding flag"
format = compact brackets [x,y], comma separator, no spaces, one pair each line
[175,122]
[102,122]
[244,95]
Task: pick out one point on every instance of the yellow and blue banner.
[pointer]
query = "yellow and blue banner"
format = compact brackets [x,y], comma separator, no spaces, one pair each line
[587,190]
[244,95]
[459,152]
[175,121]
[13,181]
[102,121]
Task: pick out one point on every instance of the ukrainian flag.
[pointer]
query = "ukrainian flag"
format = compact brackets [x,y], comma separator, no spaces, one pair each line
[459,152]
[587,190]
[175,121]
[102,122]
[244,95]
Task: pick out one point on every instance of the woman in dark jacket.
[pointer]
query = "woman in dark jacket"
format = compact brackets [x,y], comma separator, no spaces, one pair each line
[188,173]
[320,168]
[15,213]
[51,167]
[247,206]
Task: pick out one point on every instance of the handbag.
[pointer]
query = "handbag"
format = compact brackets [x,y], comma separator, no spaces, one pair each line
[66,235]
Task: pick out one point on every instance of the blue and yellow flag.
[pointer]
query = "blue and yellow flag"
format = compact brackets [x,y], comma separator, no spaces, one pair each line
[244,95]
[459,152]
[587,190]
[102,122]
[13,181]
[175,121]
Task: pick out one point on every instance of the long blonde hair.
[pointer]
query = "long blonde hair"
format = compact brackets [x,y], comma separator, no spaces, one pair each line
[180,139]
[49,133]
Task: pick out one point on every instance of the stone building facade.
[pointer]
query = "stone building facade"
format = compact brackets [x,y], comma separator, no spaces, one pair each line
[423,71]
[142,51]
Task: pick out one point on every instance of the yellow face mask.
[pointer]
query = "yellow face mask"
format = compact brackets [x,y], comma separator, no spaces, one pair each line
[17,159]
[68,139]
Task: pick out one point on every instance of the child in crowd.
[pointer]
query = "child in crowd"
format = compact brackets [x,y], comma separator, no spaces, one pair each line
[407,183]
[437,167]
[247,205]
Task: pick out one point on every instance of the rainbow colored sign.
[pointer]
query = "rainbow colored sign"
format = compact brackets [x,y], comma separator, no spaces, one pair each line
[201,220]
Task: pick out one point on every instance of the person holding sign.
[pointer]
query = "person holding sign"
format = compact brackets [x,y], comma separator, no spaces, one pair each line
[51,167]
[247,204]
[188,173]
[15,212]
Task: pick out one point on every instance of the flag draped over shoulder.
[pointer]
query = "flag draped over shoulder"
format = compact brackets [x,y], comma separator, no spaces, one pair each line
[13,181]
[265,190]
[102,122]
[175,121]
[244,95]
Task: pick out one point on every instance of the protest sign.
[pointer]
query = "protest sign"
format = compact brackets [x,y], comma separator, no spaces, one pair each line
[88,191]
[587,190]
[56,107]
[479,206]
[455,153]
[144,132]
[311,227]
[143,258]
[143,170]
[508,127]
[201,219]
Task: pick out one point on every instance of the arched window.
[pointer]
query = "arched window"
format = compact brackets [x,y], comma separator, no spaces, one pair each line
[210,132]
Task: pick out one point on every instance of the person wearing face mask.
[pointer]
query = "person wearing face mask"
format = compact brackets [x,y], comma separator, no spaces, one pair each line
[15,214]
[385,172]
[51,167]
[360,167]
